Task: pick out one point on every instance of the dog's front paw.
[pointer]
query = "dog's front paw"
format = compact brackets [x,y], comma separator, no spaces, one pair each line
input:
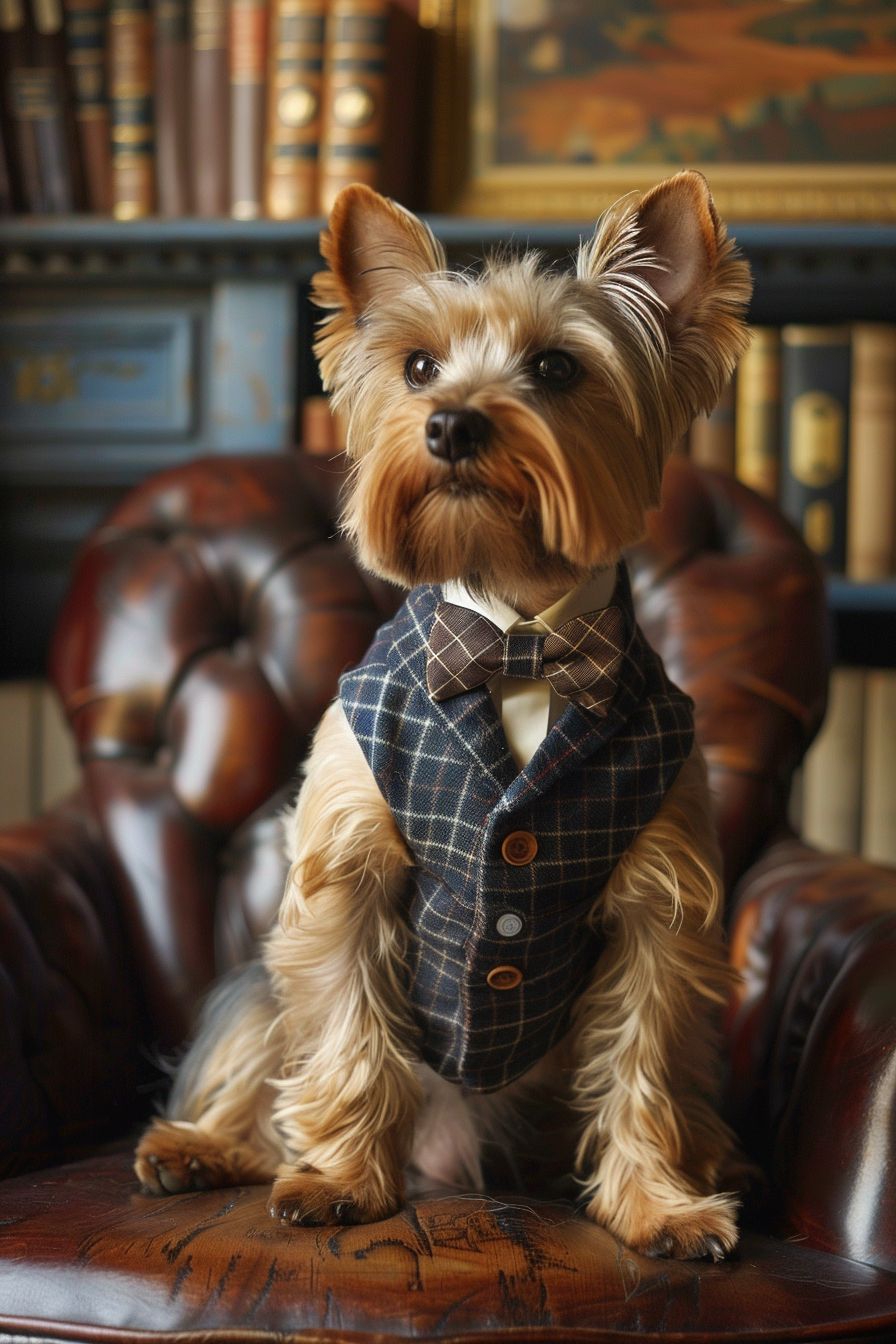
[308,1198]
[696,1230]
[173,1158]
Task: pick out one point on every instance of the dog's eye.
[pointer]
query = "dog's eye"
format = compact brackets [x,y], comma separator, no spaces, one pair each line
[420,369]
[555,368]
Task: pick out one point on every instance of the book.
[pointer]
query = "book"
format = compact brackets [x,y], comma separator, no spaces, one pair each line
[758,412]
[172,108]
[132,110]
[210,107]
[871,520]
[41,125]
[832,771]
[7,205]
[295,86]
[355,55]
[248,61]
[85,50]
[879,816]
[711,440]
[815,387]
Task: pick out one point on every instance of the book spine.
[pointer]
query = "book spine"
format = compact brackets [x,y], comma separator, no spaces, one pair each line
[879,813]
[210,106]
[356,49]
[295,85]
[248,61]
[133,127]
[758,413]
[172,76]
[871,524]
[42,131]
[832,773]
[711,440]
[815,382]
[85,47]
[17,137]
[6,201]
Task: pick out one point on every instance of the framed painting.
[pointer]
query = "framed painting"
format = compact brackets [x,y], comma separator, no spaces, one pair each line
[554,108]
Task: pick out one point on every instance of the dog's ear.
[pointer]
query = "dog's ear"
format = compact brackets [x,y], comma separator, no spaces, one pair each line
[678,222]
[374,249]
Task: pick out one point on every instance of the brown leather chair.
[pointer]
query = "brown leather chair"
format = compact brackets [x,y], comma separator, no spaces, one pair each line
[205,629]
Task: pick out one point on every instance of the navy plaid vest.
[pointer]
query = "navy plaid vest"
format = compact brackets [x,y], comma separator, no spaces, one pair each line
[446,771]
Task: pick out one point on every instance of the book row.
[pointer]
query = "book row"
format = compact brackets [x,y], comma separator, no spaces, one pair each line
[242,108]
[809,420]
[844,799]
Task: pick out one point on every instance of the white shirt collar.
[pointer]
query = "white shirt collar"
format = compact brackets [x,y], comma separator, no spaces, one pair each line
[592,594]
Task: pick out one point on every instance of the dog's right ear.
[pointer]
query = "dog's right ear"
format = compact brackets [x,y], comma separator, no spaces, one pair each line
[374,248]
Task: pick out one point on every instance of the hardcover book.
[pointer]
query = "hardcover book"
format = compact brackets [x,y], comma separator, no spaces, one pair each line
[815,388]
[356,50]
[758,413]
[172,107]
[248,59]
[210,107]
[871,530]
[133,126]
[86,22]
[295,85]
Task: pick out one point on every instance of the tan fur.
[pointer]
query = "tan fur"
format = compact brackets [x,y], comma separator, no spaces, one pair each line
[317,1079]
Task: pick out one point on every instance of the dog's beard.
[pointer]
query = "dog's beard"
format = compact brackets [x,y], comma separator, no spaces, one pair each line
[523,509]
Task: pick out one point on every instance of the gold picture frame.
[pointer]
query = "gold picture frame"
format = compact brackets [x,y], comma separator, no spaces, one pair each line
[485,169]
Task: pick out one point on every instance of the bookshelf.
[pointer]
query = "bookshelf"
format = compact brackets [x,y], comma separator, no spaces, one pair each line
[128,347]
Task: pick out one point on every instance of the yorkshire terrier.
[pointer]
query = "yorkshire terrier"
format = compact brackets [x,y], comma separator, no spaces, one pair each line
[503,901]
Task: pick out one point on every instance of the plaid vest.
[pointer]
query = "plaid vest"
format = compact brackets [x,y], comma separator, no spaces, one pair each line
[446,771]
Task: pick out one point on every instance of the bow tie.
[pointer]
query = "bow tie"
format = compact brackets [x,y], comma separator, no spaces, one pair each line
[581,659]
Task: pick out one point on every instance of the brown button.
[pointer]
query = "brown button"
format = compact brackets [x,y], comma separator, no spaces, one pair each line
[504,977]
[519,848]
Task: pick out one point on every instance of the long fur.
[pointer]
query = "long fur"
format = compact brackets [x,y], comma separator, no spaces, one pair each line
[306,1070]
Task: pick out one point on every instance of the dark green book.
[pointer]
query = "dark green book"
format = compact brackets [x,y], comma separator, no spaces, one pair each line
[815,385]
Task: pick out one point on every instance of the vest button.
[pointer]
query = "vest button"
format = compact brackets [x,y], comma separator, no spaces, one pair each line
[508,925]
[519,848]
[504,977]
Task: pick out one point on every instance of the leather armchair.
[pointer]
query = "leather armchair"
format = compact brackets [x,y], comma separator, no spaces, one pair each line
[206,625]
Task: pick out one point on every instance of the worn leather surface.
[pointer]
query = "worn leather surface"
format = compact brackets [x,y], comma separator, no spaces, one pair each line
[206,627]
[442,1268]
[811,1045]
[69,1017]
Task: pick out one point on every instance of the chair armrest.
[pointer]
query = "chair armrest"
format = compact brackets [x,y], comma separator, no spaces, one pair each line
[69,1058]
[813,1044]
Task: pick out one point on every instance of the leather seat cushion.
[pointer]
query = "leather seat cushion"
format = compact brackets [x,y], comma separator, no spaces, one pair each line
[85,1256]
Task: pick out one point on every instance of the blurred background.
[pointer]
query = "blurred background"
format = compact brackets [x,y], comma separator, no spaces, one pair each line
[165,168]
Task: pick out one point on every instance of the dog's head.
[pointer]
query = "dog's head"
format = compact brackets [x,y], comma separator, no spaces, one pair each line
[516,421]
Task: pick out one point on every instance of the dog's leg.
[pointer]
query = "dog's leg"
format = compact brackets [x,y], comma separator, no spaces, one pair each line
[217,1128]
[652,1147]
[347,1094]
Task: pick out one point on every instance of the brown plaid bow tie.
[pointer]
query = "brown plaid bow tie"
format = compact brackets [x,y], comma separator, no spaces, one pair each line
[580,660]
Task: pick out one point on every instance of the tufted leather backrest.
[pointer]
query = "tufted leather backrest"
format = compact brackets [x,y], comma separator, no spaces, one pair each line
[208,622]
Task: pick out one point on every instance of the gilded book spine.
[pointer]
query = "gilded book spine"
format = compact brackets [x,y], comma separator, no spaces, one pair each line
[86,22]
[295,85]
[712,436]
[131,83]
[758,413]
[871,529]
[354,96]
[815,384]
[248,58]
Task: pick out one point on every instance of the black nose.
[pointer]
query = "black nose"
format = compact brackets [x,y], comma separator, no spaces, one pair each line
[455,434]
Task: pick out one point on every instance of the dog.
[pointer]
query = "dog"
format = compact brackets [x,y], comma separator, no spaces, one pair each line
[501,920]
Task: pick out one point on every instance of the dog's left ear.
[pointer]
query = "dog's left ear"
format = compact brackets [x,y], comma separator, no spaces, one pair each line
[374,248]
[678,222]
